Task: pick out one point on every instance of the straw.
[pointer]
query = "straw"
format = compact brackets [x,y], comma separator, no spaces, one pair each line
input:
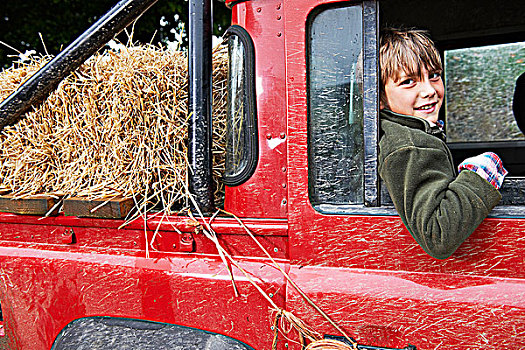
[115,127]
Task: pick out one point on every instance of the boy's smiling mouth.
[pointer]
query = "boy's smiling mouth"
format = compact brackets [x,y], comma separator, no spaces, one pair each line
[427,107]
[428,111]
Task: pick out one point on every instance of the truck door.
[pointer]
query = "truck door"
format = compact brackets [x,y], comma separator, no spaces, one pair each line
[349,249]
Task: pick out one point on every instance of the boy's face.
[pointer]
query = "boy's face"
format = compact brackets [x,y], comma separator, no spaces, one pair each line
[416,96]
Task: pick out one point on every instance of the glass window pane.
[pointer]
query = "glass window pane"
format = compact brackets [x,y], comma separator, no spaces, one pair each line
[335,107]
[236,140]
[480,86]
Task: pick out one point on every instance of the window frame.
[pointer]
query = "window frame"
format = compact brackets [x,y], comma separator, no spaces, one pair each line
[372,187]
[252,147]
[371,183]
[312,131]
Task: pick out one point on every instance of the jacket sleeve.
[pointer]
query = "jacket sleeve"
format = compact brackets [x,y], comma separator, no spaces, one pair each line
[439,209]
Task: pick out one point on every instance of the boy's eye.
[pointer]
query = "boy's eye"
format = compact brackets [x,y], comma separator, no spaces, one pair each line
[435,76]
[408,81]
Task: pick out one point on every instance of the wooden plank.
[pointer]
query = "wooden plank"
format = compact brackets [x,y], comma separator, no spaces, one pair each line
[108,208]
[32,205]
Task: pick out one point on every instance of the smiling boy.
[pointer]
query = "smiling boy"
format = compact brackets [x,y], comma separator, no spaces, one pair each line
[439,208]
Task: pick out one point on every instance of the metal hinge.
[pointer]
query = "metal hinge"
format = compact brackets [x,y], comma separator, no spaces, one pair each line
[68,236]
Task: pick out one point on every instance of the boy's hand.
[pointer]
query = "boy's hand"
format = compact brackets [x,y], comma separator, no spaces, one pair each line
[487,165]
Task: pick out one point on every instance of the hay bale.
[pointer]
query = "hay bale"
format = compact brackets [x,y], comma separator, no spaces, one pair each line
[115,127]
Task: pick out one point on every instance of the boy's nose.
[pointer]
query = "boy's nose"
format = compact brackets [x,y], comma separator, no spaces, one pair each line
[427,89]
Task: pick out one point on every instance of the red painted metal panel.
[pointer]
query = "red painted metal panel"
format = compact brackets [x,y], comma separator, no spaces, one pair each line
[431,311]
[43,289]
[46,282]
[365,271]
[265,193]
[133,240]
[494,249]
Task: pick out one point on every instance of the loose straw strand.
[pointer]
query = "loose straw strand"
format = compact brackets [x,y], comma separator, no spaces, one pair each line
[294,285]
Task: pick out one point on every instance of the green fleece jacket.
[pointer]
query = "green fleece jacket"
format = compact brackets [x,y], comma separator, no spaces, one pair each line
[439,208]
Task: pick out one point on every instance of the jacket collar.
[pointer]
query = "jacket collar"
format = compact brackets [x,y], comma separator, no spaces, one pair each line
[414,123]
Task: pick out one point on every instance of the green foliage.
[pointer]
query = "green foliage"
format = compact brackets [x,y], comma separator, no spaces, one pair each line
[62,21]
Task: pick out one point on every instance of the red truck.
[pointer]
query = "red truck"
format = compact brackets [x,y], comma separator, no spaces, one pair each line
[302,177]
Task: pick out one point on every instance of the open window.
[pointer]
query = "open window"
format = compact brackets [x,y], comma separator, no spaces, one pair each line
[483,55]
[481,84]
[482,44]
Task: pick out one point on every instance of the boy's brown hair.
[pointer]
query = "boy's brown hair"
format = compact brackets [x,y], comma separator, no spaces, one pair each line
[405,50]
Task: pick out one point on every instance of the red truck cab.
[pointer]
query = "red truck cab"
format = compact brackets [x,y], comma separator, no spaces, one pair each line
[302,176]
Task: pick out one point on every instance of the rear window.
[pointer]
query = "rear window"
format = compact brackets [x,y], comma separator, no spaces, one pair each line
[480,85]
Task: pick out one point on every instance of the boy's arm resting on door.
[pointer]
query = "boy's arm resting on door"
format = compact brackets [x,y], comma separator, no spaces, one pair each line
[439,209]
